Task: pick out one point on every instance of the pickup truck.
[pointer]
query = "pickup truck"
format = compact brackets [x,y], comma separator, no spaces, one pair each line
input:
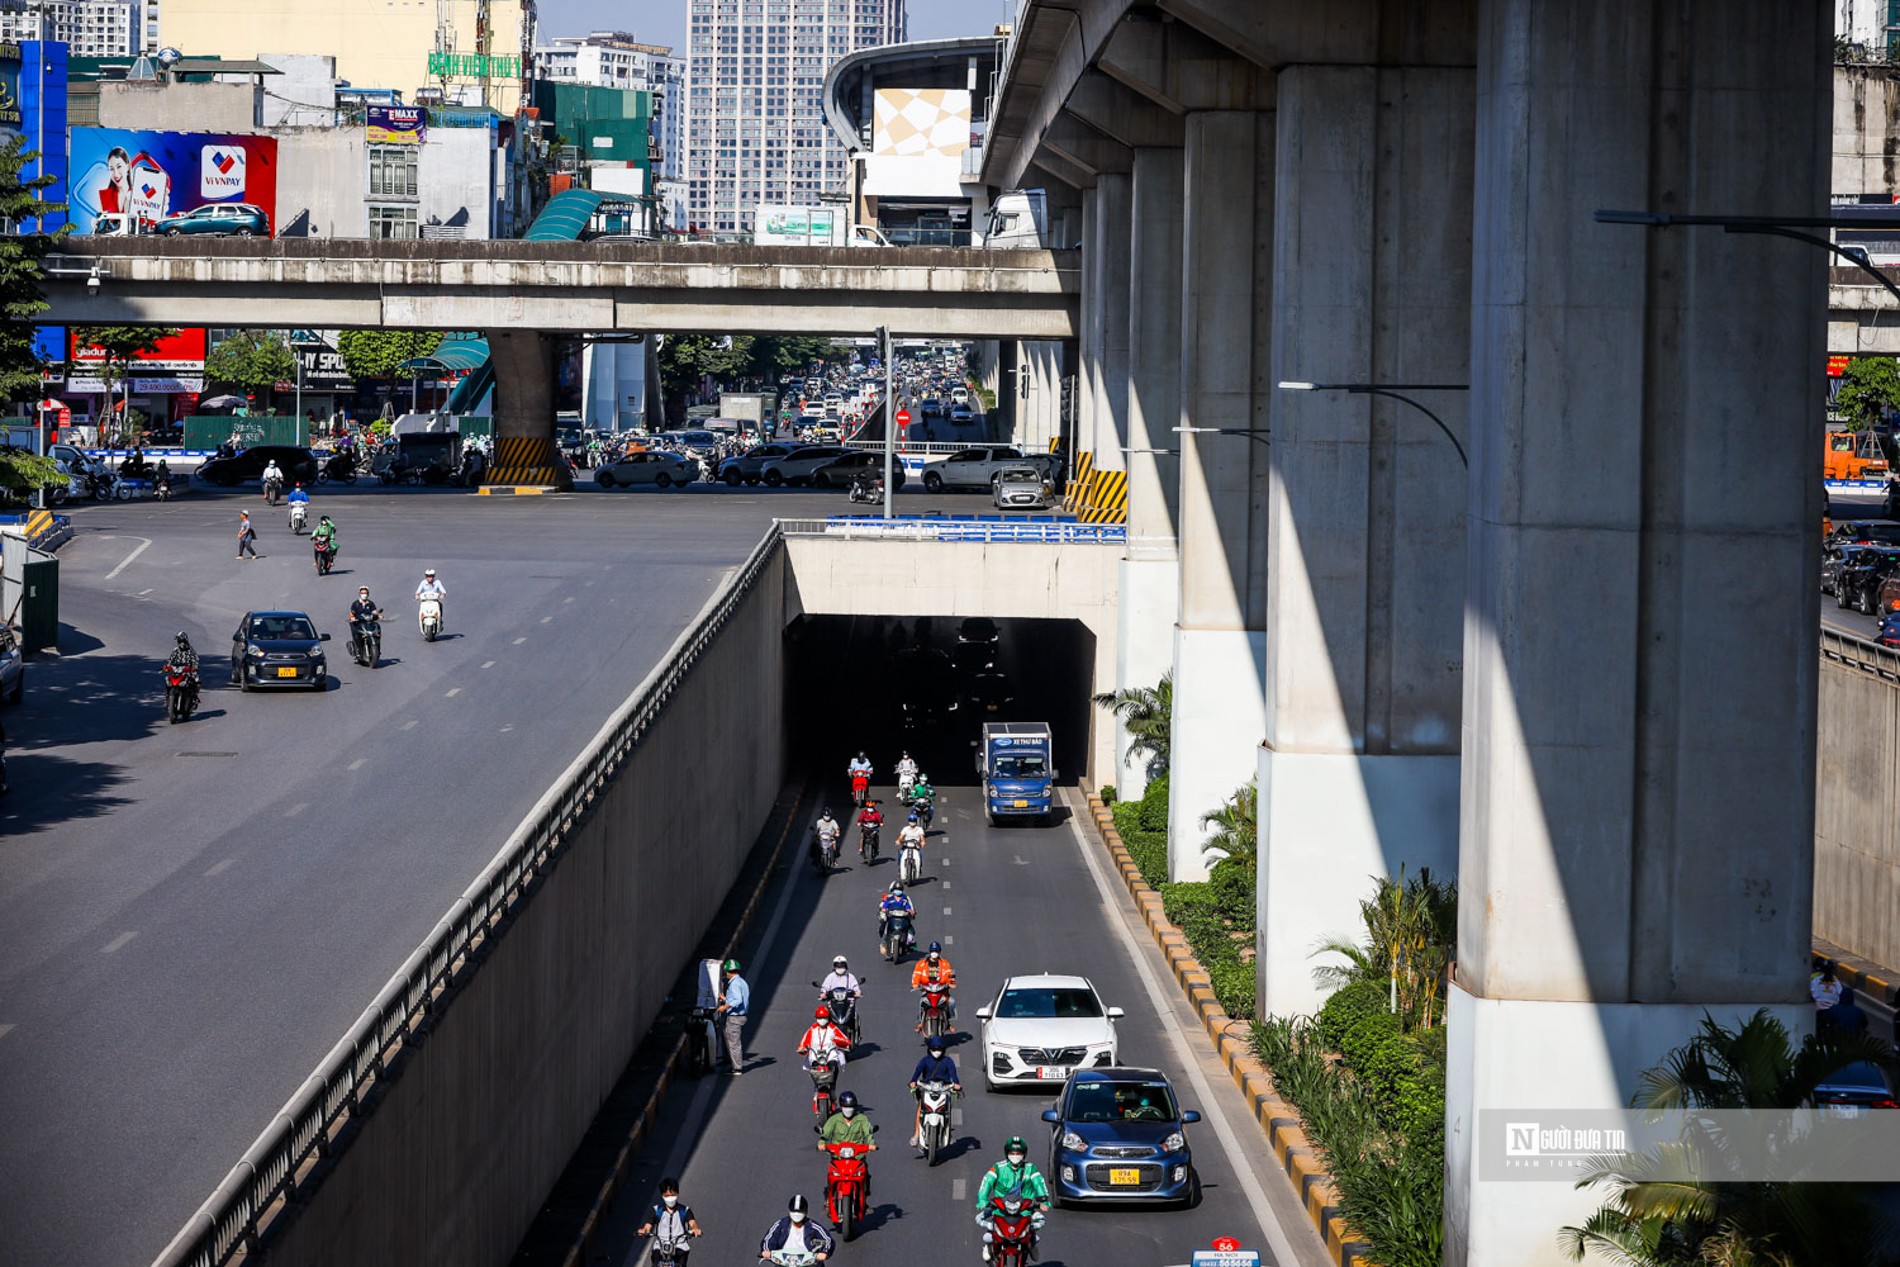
[1015,760]
[975,468]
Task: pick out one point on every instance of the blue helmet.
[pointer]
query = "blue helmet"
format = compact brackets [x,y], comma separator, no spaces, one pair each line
[936,948]
[913,816]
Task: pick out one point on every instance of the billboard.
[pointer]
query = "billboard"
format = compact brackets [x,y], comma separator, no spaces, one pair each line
[11,115]
[156,174]
[396,125]
[183,352]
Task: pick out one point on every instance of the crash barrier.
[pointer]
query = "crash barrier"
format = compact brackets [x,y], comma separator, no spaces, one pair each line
[1857,763]
[1096,496]
[42,529]
[957,528]
[374,1159]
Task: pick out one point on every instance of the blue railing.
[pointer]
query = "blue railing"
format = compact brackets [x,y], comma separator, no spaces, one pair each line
[977,528]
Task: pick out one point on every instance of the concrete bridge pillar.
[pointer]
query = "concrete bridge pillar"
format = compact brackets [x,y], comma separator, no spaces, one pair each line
[1106,257]
[1638,783]
[524,410]
[1366,561]
[1151,570]
[1219,641]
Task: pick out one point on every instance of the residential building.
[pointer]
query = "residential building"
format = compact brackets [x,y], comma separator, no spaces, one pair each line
[454,52]
[1866,29]
[756,132]
[614,59]
[89,28]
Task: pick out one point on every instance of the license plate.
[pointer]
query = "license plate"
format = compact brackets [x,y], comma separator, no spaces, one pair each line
[1052,1073]
[1848,1111]
[1123,1177]
[287,672]
[1020,804]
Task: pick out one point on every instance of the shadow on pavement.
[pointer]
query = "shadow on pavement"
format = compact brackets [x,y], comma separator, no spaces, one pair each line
[94,700]
[51,791]
[76,641]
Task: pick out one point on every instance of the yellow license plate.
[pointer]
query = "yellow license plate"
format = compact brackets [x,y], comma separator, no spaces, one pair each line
[1020,804]
[1124,1177]
[286,672]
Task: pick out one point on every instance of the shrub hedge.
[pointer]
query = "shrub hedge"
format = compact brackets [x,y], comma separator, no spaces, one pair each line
[1154,806]
[1348,1006]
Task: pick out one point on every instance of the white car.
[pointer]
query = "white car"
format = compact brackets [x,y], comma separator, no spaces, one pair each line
[1042,1028]
[662,469]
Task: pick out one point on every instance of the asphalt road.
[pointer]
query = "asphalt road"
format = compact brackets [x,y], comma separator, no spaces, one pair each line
[191,917]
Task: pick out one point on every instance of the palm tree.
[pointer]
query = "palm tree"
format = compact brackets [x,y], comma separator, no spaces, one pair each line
[1236,828]
[1411,927]
[1148,716]
[1656,1218]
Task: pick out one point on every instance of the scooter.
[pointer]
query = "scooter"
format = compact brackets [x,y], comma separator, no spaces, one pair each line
[702,1040]
[823,1066]
[925,807]
[936,1009]
[867,842]
[670,1250]
[181,693]
[910,866]
[936,1129]
[792,1258]
[1013,1225]
[826,853]
[326,557]
[273,489]
[866,487]
[860,787]
[896,937]
[844,1010]
[906,779]
[366,647]
[846,1183]
[429,618]
[299,515]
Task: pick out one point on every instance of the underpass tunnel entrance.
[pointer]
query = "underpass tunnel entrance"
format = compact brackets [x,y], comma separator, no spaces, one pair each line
[926,684]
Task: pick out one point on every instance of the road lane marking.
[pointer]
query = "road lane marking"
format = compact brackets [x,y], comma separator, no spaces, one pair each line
[948,940]
[453,691]
[507,728]
[488,664]
[946,884]
[410,724]
[117,943]
[946,910]
[143,593]
[568,599]
[144,544]
[546,619]
[959,1189]
[6,1029]
[296,809]
[358,763]
[220,868]
[519,641]
[1211,1110]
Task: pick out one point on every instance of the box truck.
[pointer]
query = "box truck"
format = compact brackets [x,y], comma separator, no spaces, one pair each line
[1016,761]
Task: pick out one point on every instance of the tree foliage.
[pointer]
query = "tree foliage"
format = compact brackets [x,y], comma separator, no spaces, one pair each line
[1870,388]
[22,472]
[251,361]
[687,359]
[120,344]
[1236,824]
[377,354]
[20,271]
[1411,929]
[1147,714]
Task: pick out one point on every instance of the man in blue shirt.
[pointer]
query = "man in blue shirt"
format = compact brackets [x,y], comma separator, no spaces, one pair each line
[934,1066]
[731,1010]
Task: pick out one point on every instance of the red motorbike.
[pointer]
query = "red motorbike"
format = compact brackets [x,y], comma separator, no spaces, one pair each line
[847,1187]
[181,693]
[1012,1233]
[860,788]
[936,1004]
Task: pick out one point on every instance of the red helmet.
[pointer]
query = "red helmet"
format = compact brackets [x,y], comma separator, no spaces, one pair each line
[823,1014]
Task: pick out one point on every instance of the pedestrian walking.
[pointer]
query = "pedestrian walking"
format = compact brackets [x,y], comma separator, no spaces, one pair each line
[247,536]
[732,1007]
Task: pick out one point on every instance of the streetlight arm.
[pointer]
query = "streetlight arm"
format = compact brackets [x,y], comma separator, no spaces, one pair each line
[1407,400]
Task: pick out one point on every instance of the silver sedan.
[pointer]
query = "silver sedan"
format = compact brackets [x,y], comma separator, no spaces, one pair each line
[1022,488]
[663,470]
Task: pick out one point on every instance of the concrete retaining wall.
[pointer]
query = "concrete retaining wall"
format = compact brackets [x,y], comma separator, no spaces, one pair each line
[453,1161]
[1856,828]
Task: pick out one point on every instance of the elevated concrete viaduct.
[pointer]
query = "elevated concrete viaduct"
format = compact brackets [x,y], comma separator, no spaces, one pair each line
[525,294]
[1499,671]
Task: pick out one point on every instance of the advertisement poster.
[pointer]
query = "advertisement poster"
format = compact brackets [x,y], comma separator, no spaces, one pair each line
[182,353]
[10,113]
[152,175]
[397,125]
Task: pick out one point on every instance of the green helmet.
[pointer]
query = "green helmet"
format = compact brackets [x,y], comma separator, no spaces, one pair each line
[1015,1144]
[730,965]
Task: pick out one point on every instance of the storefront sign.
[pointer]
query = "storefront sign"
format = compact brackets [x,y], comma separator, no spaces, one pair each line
[10,61]
[181,353]
[473,66]
[397,125]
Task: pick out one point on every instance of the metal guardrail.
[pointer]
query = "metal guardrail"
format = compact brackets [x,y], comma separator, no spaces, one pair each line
[239,1211]
[973,528]
[1858,653]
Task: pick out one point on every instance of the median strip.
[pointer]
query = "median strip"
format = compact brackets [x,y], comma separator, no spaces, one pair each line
[1295,1155]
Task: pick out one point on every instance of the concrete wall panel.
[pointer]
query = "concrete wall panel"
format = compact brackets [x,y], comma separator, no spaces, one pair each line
[1856,837]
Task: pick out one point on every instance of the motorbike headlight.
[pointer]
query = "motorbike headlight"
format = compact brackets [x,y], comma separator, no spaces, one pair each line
[1174,1143]
[1073,1142]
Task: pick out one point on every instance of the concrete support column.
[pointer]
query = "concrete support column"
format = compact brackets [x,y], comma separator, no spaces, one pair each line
[1151,570]
[1009,426]
[1088,341]
[1109,311]
[1365,593]
[524,410]
[1226,301]
[1638,783]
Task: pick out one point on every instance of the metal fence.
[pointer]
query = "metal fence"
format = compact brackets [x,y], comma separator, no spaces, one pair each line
[946,528]
[1859,653]
[305,1129]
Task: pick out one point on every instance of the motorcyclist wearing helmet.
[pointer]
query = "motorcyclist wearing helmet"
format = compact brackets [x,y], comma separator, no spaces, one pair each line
[913,833]
[895,902]
[184,659]
[799,1232]
[870,817]
[935,1065]
[847,1125]
[823,1043]
[860,764]
[364,608]
[323,540]
[824,832]
[921,789]
[1015,1173]
[906,773]
[934,969]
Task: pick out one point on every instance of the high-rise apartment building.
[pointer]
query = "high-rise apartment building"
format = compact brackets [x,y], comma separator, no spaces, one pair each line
[89,28]
[756,133]
[614,59]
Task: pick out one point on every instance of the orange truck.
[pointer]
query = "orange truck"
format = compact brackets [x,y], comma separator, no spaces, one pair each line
[1852,455]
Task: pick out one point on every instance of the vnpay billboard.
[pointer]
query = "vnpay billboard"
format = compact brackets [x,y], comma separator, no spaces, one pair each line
[152,175]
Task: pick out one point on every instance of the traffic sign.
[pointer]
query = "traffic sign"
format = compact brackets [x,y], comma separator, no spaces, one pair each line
[903,417]
[1226,1258]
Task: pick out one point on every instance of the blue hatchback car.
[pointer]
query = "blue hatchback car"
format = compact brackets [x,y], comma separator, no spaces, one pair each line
[1118,1134]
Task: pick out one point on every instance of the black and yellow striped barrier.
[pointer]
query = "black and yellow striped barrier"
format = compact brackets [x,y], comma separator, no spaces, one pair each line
[1097,496]
[526,460]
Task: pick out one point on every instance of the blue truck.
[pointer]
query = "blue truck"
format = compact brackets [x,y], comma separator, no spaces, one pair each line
[1016,761]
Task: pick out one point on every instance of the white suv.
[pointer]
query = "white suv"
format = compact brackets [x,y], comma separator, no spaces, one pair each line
[1042,1028]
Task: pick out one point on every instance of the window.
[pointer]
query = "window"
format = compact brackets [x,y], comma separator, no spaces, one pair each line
[393,222]
[392,171]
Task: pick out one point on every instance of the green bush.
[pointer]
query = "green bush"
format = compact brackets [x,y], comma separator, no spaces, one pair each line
[1365,1037]
[1232,886]
[1388,1070]
[1233,987]
[1108,793]
[1420,1112]
[1348,1006]
[1154,806]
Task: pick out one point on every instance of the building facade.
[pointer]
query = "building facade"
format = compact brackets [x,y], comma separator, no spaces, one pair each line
[614,59]
[756,132]
[89,28]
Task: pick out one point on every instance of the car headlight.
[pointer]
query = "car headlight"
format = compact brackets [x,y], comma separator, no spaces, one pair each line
[316,651]
[1174,1143]
[253,649]
[1073,1142]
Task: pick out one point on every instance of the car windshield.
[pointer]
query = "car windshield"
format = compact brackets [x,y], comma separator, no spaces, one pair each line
[1048,1003]
[1025,765]
[1020,474]
[1886,533]
[1131,1101]
[282,627]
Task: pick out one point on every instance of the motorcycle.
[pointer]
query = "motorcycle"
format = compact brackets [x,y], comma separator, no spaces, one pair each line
[860,787]
[792,1258]
[844,1010]
[341,467]
[823,1066]
[163,488]
[936,1127]
[702,1040]
[910,866]
[866,487]
[936,1009]
[1011,1230]
[846,1183]
[895,936]
[273,489]
[299,515]
[429,618]
[826,853]
[181,693]
[925,807]
[906,779]
[325,552]
[867,842]
[366,646]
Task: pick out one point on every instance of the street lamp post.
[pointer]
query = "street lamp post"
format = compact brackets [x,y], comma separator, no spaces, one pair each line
[1393,391]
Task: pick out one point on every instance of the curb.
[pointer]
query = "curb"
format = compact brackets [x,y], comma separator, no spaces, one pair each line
[1872,979]
[1298,1160]
[579,1253]
[517,490]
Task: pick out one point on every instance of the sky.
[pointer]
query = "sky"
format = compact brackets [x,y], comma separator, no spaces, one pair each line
[664,21]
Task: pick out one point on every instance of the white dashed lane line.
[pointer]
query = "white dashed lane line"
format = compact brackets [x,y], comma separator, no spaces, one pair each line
[117,943]
[452,692]
[296,809]
[220,868]
[409,725]
[6,1029]
[488,664]
[358,763]
[519,641]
